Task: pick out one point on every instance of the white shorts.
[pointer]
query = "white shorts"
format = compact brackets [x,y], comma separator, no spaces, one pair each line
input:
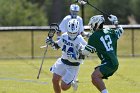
[68,73]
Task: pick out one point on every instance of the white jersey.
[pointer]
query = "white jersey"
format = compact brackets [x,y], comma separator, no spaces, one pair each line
[63,24]
[70,48]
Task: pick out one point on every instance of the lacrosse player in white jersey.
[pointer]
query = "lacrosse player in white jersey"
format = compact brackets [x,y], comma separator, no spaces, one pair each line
[74,9]
[65,68]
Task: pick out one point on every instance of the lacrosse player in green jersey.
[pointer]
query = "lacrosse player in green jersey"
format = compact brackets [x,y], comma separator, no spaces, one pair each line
[103,41]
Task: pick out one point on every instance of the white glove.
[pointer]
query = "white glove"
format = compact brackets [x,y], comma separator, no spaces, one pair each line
[87,34]
[82,2]
[113,19]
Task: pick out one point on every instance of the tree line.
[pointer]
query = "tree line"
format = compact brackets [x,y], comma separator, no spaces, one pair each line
[44,12]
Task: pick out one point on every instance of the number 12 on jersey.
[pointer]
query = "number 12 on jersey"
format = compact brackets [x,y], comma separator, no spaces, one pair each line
[107,42]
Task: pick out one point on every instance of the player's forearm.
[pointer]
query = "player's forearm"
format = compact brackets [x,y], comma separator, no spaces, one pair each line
[119,30]
[55,46]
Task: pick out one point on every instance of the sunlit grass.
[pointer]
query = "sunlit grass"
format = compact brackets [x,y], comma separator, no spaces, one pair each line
[19,76]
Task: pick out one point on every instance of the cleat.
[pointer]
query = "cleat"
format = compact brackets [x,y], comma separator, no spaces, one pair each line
[74,85]
[77,80]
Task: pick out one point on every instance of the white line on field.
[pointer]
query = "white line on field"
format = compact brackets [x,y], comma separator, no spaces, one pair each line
[24,80]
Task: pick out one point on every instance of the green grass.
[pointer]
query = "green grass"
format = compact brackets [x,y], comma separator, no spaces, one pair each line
[18,44]
[19,76]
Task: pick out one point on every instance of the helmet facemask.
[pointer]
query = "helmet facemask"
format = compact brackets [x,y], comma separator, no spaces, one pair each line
[72,36]
[96,22]
[93,28]
[73,29]
[74,14]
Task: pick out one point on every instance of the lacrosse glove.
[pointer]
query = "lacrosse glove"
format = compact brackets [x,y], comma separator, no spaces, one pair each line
[113,19]
[49,41]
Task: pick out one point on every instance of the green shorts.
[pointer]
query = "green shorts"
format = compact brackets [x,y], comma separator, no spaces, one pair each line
[107,69]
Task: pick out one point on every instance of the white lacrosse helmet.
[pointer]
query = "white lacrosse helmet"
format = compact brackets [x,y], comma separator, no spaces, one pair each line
[74,9]
[73,28]
[96,21]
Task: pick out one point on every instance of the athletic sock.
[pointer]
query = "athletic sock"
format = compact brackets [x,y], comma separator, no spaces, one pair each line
[104,91]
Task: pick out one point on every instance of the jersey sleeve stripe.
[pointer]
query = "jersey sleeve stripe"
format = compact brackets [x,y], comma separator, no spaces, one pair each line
[119,31]
[90,48]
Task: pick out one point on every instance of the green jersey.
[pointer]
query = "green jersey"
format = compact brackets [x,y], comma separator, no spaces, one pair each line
[104,43]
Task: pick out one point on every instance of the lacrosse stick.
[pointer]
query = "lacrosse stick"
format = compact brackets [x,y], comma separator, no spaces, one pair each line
[54,27]
[42,62]
[83,2]
[50,35]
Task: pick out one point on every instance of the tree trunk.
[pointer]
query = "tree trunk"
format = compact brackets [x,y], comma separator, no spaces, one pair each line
[59,9]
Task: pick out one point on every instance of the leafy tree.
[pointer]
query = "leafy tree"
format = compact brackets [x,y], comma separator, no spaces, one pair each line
[120,8]
[44,12]
[135,5]
[54,10]
[20,12]
[89,11]
[58,9]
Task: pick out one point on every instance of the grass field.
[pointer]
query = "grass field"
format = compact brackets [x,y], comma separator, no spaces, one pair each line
[19,76]
[18,44]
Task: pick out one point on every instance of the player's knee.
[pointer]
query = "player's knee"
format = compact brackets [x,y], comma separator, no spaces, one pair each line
[64,88]
[55,80]
[94,78]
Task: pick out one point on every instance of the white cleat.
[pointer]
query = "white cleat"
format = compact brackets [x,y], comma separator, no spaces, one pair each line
[74,85]
[77,80]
